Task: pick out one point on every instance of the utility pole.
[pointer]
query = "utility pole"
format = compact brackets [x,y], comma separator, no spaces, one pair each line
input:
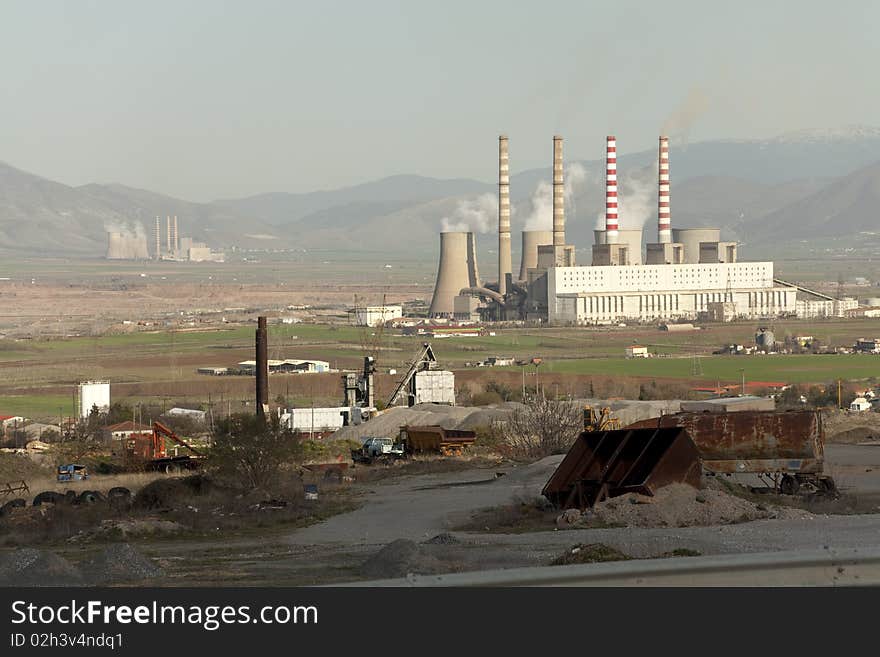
[839,405]
[742,392]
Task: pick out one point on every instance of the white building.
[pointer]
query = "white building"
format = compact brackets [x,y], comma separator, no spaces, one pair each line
[374,315]
[636,351]
[603,294]
[860,404]
[91,394]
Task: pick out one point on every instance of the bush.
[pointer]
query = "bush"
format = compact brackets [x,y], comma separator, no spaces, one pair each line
[251,450]
[543,427]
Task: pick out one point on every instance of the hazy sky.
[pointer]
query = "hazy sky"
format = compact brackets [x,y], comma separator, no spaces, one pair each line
[213,99]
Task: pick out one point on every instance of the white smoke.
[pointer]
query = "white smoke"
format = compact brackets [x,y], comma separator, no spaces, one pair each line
[636,199]
[477,215]
[541,215]
[133,229]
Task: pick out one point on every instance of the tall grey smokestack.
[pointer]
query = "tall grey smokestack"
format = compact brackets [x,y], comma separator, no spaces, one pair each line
[558,194]
[664,224]
[504,264]
[158,238]
[262,369]
[176,241]
[168,233]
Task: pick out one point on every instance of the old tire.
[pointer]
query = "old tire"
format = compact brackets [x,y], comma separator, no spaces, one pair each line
[789,485]
[13,504]
[49,497]
[90,497]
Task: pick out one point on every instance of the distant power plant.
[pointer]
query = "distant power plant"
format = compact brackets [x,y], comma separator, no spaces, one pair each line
[688,273]
[128,245]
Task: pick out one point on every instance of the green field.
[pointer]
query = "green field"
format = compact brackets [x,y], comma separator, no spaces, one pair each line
[784,368]
[37,376]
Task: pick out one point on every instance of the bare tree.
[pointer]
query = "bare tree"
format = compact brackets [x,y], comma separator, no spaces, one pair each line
[542,427]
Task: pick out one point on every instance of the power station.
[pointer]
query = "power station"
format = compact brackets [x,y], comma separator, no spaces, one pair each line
[687,274]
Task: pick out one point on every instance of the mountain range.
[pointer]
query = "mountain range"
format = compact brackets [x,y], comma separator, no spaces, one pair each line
[794,187]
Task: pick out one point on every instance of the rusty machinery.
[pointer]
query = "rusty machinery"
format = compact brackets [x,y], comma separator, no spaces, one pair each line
[599,420]
[785,449]
[150,450]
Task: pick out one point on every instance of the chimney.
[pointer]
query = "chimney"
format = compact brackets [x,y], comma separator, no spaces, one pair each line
[504,264]
[611,190]
[176,242]
[158,237]
[664,228]
[456,271]
[531,240]
[558,194]
[168,233]
[262,369]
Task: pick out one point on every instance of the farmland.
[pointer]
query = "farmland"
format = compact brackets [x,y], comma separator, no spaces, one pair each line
[159,366]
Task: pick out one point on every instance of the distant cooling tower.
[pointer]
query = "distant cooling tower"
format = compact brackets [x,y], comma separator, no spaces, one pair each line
[631,237]
[457,270]
[126,246]
[691,238]
[531,240]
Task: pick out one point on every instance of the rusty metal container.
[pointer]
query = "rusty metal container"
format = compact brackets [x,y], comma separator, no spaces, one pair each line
[753,441]
[602,464]
[448,442]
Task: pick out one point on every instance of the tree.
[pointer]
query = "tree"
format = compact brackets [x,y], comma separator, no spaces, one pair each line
[542,427]
[251,450]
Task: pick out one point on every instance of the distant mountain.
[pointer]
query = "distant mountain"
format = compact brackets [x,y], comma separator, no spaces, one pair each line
[281,208]
[798,185]
[42,217]
[848,205]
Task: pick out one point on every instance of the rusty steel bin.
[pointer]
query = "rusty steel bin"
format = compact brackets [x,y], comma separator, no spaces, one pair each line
[602,464]
[752,441]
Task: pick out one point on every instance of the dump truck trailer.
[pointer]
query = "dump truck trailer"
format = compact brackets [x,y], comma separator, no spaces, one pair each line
[436,439]
[784,448]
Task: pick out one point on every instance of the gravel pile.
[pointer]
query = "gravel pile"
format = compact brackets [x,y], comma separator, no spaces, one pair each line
[32,567]
[443,539]
[120,563]
[398,559]
[680,505]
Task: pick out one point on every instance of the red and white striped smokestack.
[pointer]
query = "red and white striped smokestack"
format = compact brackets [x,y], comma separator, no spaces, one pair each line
[611,225]
[558,193]
[664,227]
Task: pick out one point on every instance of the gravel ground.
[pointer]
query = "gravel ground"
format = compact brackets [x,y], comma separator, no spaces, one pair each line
[119,563]
[32,567]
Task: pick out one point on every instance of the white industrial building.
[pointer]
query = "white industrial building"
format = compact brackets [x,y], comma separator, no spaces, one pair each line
[375,315]
[602,294]
[91,394]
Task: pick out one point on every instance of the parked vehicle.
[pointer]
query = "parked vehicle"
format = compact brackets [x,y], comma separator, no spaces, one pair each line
[375,448]
[436,439]
[72,472]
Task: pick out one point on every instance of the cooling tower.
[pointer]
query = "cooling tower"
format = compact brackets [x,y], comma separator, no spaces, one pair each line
[456,271]
[558,194]
[664,228]
[632,239]
[691,238]
[504,264]
[126,246]
[611,225]
[531,240]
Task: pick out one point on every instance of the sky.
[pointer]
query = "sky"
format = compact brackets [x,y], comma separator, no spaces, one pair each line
[209,99]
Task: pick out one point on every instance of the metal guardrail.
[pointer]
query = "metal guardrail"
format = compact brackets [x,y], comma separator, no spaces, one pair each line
[827,567]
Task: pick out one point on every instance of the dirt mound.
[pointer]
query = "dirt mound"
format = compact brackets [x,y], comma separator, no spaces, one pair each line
[32,567]
[169,493]
[115,529]
[680,505]
[856,435]
[120,563]
[398,559]
[443,539]
[589,553]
